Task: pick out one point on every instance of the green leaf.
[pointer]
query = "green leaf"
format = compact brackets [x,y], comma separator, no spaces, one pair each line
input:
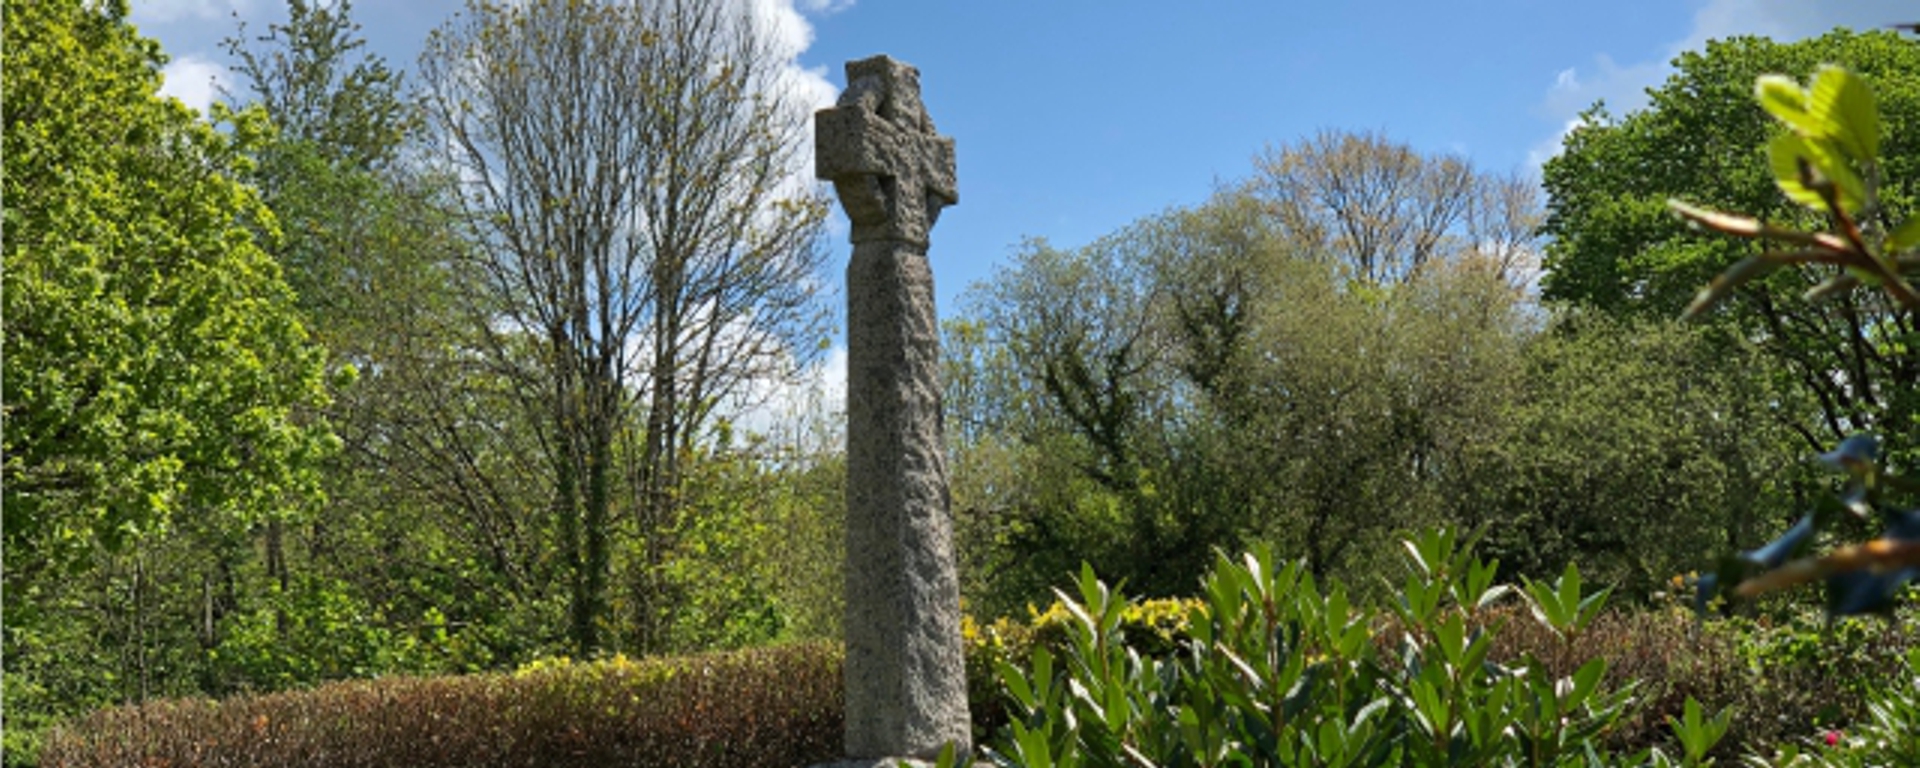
[1841,101]
[1586,680]
[1787,151]
[1570,586]
[1016,681]
[1904,237]
[1785,99]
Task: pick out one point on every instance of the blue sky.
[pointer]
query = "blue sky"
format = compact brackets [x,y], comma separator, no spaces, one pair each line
[1073,118]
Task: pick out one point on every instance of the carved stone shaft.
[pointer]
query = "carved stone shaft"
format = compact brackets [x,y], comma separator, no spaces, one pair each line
[905,674]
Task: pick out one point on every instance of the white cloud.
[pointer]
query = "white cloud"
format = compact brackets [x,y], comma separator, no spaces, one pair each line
[1790,19]
[165,11]
[1543,151]
[825,7]
[1623,88]
[794,413]
[791,35]
[194,80]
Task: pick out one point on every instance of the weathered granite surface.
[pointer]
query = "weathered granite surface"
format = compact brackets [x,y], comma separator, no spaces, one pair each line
[905,675]
[892,172]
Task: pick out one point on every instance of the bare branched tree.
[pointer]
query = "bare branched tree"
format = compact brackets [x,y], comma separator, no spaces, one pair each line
[630,168]
[1384,211]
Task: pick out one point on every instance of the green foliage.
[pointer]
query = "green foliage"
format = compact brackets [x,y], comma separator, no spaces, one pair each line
[1279,672]
[1208,380]
[1887,736]
[1779,680]
[1819,162]
[1833,123]
[323,92]
[1697,733]
[1830,146]
[1709,138]
[770,706]
[1636,445]
[739,573]
[157,374]
[1884,737]
[153,356]
[1214,376]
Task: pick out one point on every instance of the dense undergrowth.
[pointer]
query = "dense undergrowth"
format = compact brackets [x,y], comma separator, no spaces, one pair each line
[1454,670]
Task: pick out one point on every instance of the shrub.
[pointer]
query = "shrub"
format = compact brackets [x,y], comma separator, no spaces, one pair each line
[1275,671]
[769,706]
[1156,628]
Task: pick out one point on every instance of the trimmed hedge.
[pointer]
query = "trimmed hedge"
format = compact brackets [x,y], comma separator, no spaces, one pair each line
[761,707]
[1784,681]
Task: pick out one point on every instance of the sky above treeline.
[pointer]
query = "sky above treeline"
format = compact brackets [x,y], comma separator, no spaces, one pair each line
[1073,118]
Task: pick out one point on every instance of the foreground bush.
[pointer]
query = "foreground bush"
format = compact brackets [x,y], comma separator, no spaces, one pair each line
[763,707]
[1276,671]
[1785,677]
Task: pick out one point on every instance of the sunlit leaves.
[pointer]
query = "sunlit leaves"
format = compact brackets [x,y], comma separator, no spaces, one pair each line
[1834,132]
[154,364]
[1809,171]
[1784,99]
[1844,106]
[152,353]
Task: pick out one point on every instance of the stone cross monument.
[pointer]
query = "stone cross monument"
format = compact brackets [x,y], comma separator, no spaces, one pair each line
[905,677]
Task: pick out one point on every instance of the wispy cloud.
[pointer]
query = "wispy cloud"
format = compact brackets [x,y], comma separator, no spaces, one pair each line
[824,7]
[792,35]
[194,80]
[166,11]
[1623,87]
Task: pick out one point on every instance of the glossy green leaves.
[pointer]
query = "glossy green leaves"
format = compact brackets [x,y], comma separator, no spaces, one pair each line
[1280,672]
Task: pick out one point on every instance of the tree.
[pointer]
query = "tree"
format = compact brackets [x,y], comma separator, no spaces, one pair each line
[627,168]
[1827,159]
[305,75]
[1384,211]
[154,361]
[1200,379]
[1616,247]
[1630,446]
[368,241]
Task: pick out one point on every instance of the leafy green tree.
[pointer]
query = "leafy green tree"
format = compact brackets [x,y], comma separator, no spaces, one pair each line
[1200,379]
[1616,247]
[312,77]
[1827,159]
[1086,394]
[154,361]
[1631,446]
[1352,409]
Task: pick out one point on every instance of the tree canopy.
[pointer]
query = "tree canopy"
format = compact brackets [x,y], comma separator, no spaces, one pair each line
[153,355]
[1615,246]
[158,377]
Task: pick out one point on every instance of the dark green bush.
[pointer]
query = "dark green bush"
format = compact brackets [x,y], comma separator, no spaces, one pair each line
[1782,679]
[1273,670]
[1779,680]
[769,706]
